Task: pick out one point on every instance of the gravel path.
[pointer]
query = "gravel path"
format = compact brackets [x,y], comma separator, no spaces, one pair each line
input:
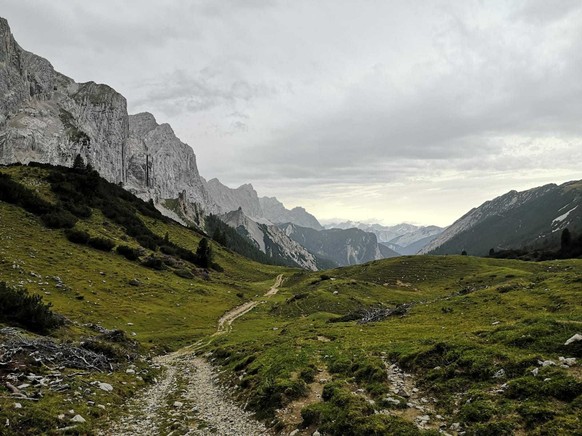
[189,400]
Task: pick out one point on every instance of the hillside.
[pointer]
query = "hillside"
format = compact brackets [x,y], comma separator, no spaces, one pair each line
[161,305]
[533,218]
[398,346]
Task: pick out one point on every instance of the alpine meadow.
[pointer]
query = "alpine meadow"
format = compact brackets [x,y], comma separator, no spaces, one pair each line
[419,271]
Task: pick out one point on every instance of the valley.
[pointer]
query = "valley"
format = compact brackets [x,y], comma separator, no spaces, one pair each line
[139,298]
[445,333]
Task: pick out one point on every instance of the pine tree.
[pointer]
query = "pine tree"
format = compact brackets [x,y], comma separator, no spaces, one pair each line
[204,253]
[566,239]
[79,164]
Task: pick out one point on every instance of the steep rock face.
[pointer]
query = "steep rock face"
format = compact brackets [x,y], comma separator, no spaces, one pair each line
[342,246]
[274,211]
[513,220]
[271,240]
[47,117]
[160,166]
[228,199]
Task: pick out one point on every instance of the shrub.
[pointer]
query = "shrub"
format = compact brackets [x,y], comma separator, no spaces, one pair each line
[77,236]
[153,263]
[102,244]
[129,252]
[59,219]
[166,249]
[19,307]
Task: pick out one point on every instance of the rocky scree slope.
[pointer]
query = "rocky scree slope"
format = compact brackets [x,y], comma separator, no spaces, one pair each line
[271,240]
[532,218]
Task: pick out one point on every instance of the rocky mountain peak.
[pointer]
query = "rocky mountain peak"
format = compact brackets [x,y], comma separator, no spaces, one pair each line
[142,123]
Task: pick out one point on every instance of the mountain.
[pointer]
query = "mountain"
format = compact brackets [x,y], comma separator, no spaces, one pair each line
[403,238]
[229,199]
[160,166]
[344,247]
[532,218]
[271,240]
[47,117]
[277,213]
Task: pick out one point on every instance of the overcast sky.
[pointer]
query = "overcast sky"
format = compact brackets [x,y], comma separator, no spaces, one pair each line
[376,110]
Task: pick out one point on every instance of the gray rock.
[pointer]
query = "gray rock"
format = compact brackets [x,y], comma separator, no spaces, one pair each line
[78,419]
[577,337]
[105,387]
[568,361]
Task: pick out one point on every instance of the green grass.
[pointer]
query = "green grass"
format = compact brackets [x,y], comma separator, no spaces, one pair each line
[468,318]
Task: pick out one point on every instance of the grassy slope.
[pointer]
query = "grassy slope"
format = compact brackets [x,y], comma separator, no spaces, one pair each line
[471,317]
[274,349]
[165,311]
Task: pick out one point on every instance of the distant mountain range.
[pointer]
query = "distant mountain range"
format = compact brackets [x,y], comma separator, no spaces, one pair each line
[402,238]
[532,218]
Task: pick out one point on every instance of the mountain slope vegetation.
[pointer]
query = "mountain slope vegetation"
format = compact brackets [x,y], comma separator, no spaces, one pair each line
[408,345]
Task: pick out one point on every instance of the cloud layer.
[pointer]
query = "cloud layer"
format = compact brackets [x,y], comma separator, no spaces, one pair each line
[400,110]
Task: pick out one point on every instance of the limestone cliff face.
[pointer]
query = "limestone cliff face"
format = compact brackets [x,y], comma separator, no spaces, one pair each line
[47,117]
[271,240]
[274,211]
[229,199]
[160,166]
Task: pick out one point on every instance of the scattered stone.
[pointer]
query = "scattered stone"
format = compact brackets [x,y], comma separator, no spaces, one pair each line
[316,433]
[495,323]
[547,379]
[535,371]
[101,406]
[105,387]
[17,406]
[568,361]
[392,400]
[134,282]
[455,426]
[546,363]
[78,418]
[294,432]
[499,374]
[130,371]
[178,404]
[577,337]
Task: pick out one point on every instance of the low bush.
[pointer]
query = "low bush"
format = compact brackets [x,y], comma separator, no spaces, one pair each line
[128,252]
[102,244]
[21,308]
[77,236]
[59,219]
